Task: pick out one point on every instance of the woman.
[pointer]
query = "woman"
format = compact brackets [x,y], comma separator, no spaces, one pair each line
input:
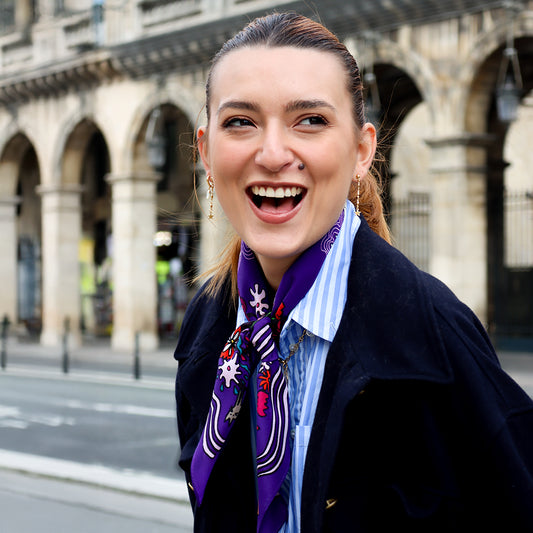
[348,391]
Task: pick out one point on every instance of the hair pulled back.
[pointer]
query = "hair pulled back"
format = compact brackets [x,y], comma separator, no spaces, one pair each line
[294,30]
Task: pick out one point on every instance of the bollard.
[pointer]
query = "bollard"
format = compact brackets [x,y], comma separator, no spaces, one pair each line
[66,328]
[3,353]
[136,358]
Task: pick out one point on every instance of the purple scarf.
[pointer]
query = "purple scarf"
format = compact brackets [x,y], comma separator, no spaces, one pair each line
[254,344]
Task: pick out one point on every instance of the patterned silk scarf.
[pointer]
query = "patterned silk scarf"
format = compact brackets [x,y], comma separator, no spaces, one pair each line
[254,344]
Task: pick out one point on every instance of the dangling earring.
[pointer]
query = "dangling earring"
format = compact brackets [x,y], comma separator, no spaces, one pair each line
[210,195]
[358,194]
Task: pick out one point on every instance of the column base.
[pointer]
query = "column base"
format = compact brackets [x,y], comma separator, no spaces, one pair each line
[125,341]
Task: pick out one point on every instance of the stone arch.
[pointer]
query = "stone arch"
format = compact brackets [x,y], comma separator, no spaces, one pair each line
[186,104]
[176,210]
[13,152]
[480,69]
[72,146]
[82,161]
[414,65]
[406,93]
[399,93]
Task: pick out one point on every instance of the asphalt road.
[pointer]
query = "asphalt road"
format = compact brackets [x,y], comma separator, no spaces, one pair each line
[129,427]
[95,450]
[89,453]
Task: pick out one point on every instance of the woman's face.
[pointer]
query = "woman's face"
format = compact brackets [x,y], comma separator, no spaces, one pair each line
[272,110]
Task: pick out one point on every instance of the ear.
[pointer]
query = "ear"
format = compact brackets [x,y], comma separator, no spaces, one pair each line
[366,148]
[201,138]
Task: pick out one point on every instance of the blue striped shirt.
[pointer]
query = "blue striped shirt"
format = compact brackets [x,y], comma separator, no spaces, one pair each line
[319,313]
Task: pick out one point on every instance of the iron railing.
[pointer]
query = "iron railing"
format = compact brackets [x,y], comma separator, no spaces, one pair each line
[518,229]
[410,224]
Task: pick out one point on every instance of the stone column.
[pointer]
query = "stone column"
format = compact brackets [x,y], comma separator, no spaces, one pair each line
[61,231]
[134,255]
[8,257]
[458,217]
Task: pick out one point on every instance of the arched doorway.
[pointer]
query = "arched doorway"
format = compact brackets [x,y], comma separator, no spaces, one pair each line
[96,239]
[509,210]
[411,187]
[406,187]
[177,234]
[21,236]
[29,288]
[85,165]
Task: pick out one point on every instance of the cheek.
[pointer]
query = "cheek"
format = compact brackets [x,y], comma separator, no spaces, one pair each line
[228,166]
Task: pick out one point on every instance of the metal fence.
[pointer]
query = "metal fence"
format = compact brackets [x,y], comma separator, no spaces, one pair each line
[410,227]
[518,230]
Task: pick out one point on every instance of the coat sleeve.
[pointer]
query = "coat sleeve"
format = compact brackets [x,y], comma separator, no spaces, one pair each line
[208,323]
[188,420]
[206,326]
[498,412]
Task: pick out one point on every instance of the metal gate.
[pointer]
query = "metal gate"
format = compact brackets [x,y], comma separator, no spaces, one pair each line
[513,309]
[410,227]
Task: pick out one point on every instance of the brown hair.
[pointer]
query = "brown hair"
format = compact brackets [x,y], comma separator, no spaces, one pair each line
[291,29]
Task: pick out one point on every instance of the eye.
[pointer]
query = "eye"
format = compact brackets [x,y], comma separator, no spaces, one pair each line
[314,120]
[237,122]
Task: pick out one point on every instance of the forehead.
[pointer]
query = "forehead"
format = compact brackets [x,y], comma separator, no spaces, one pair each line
[278,72]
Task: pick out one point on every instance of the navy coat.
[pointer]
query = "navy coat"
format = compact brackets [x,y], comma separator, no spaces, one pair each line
[417,425]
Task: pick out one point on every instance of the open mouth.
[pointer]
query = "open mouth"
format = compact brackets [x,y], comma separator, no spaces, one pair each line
[276,199]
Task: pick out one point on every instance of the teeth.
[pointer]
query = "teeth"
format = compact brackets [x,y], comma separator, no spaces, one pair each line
[278,192]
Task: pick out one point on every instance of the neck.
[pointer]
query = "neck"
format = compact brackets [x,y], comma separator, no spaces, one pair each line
[274,269]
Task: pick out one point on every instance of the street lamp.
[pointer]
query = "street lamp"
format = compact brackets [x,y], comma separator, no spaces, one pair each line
[372,101]
[372,104]
[155,140]
[509,85]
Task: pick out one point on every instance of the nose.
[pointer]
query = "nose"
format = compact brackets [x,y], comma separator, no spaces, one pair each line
[274,152]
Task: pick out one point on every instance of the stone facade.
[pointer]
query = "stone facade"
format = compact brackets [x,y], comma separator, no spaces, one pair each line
[81,200]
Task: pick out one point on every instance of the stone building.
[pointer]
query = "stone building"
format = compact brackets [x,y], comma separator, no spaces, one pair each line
[99,220]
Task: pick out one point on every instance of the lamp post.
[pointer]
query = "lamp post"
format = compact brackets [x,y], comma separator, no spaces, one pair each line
[372,101]
[155,140]
[372,104]
[509,85]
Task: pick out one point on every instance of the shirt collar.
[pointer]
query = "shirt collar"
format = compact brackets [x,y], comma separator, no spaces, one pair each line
[320,311]
[324,321]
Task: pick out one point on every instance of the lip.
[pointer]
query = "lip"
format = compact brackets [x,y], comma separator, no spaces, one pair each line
[271,217]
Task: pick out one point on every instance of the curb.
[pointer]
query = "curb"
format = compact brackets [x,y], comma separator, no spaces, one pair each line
[111,378]
[138,483]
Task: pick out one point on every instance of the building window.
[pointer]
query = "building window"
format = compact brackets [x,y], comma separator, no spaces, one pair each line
[7,15]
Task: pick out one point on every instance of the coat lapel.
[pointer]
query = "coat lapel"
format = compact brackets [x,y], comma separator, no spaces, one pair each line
[388,331]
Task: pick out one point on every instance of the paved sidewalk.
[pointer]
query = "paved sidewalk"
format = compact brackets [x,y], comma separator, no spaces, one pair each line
[96,355]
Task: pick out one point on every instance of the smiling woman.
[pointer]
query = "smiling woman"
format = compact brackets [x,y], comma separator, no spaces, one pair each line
[257,139]
[276,433]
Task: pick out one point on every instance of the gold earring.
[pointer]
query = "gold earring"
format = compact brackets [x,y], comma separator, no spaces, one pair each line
[210,194]
[358,194]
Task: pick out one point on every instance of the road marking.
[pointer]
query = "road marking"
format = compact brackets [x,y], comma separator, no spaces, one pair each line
[14,418]
[122,409]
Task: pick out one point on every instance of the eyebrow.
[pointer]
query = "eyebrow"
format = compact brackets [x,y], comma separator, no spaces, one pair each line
[238,104]
[303,105]
[296,105]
